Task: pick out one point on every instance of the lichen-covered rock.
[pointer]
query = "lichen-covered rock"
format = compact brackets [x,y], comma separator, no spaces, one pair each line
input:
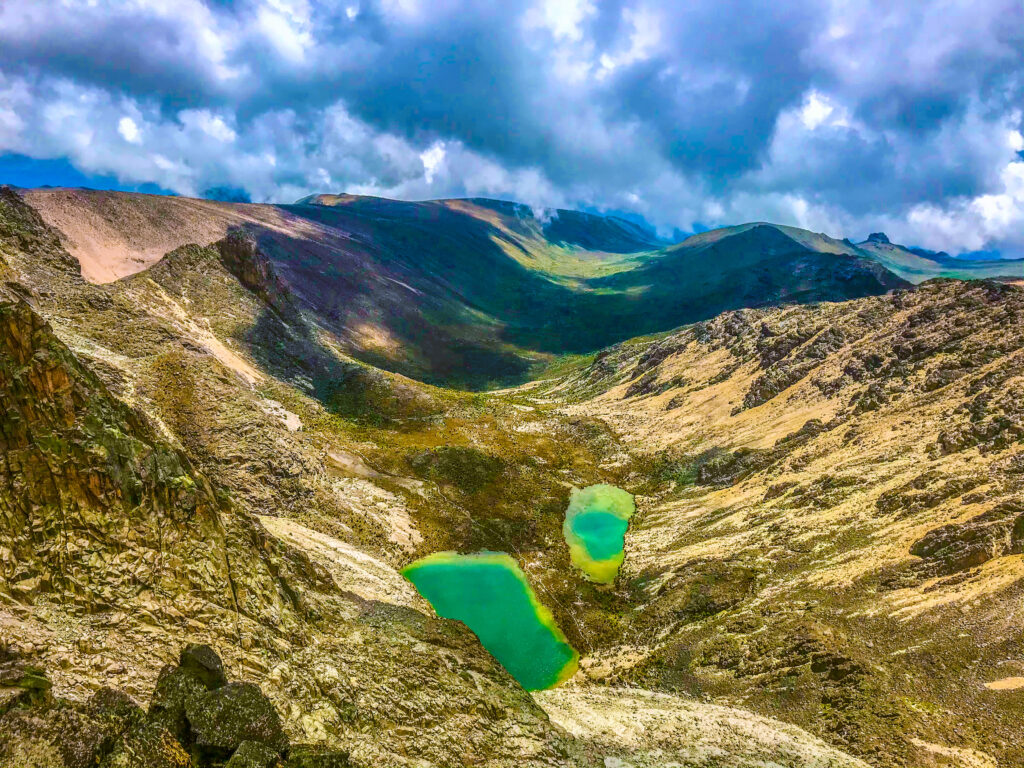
[177,688]
[311,757]
[222,719]
[59,734]
[205,662]
[252,754]
[149,746]
[29,681]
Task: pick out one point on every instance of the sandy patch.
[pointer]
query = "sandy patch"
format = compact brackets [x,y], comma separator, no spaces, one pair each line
[116,234]
[678,730]
[1006,684]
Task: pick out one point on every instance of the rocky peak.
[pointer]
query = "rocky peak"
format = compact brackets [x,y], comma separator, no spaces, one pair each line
[241,255]
[878,237]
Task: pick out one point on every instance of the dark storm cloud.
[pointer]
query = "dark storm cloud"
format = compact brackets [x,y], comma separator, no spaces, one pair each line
[832,115]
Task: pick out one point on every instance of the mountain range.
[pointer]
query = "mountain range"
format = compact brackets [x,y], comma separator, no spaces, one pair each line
[226,427]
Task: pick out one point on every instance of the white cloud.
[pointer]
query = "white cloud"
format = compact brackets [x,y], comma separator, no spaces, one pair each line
[129,130]
[432,159]
[563,19]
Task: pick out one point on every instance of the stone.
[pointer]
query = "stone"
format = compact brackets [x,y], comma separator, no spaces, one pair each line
[252,754]
[149,746]
[206,663]
[222,719]
[176,689]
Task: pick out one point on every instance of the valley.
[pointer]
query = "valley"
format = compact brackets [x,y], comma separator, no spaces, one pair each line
[236,425]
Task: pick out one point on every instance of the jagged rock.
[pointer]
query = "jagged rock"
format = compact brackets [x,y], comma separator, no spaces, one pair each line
[205,662]
[878,237]
[240,254]
[959,546]
[176,690]
[222,719]
[149,746]
[252,754]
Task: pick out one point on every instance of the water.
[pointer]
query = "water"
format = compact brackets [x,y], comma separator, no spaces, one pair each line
[595,530]
[489,593]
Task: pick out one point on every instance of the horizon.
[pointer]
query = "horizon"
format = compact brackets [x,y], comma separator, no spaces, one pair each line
[628,217]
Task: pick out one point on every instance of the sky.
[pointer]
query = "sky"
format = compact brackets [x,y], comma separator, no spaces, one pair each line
[840,116]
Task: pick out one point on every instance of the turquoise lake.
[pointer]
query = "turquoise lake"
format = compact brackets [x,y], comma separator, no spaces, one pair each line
[490,594]
[595,529]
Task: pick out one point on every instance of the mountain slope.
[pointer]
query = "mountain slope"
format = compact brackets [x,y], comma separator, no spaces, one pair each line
[463,292]
[918,265]
[152,447]
[832,525]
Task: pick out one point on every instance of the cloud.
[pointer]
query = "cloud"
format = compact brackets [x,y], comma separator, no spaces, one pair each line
[846,115]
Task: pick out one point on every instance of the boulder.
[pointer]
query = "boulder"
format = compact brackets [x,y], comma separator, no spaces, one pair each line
[177,688]
[148,746]
[205,662]
[222,719]
[252,754]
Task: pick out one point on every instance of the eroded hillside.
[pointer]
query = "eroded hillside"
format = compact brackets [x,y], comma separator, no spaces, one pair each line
[835,517]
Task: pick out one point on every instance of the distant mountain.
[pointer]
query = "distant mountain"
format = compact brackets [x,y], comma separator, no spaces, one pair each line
[471,293]
[918,264]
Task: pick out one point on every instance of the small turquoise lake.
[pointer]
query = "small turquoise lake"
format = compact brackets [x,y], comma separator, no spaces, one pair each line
[489,593]
[595,529]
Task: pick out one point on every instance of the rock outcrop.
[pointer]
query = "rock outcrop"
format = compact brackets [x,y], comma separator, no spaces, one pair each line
[225,724]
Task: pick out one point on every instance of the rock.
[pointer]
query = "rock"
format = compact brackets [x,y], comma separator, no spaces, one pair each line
[177,688]
[314,757]
[113,704]
[959,546]
[57,735]
[149,746]
[222,719]
[252,754]
[878,237]
[203,660]
[29,681]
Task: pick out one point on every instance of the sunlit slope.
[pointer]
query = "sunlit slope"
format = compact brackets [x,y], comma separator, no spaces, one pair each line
[833,527]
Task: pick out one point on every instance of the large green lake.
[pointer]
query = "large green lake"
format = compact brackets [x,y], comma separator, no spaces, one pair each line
[595,530]
[489,593]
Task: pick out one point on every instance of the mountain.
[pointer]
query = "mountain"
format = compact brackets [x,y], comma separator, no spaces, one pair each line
[833,519]
[918,264]
[824,567]
[161,488]
[468,293]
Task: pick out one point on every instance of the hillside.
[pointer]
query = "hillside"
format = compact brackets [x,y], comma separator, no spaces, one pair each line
[832,522]
[178,492]
[823,490]
[467,293]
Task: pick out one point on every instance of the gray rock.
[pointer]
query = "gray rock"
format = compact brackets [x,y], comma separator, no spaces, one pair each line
[221,720]
[176,689]
[252,754]
[203,660]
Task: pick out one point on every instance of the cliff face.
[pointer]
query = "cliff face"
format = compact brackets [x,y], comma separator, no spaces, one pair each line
[95,504]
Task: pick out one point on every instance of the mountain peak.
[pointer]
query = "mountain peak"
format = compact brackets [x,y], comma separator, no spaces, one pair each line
[878,237]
